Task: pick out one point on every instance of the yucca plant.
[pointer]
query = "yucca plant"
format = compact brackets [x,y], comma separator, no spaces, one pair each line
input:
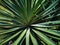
[29,22]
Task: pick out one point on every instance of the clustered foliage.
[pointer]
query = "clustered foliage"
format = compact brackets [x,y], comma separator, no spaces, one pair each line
[29,22]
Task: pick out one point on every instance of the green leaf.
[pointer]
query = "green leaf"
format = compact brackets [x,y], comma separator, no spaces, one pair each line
[27,37]
[51,7]
[38,25]
[38,3]
[50,31]
[58,38]
[43,14]
[51,22]
[11,37]
[34,41]
[19,38]
[8,31]
[44,38]
[22,40]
